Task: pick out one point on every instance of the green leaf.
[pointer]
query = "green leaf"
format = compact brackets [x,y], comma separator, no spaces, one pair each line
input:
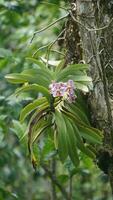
[38,114]
[35,157]
[70,70]
[86,151]
[79,113]
[39,76]
[82,78]
[38,129]
[42,121]
[18,128]
[36,73]
[33,134]
[48,150]
[82,87]
[72,143]
[56,139]
[73,117]
[30,107]
[91,135]
[37,62]
[80,143]
[37,88]
[17,78]
[62,140]
[79,77]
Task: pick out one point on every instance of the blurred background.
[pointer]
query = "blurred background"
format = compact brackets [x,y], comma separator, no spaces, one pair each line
[18,180]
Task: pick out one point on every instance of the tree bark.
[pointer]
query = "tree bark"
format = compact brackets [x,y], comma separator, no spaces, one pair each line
[95,22]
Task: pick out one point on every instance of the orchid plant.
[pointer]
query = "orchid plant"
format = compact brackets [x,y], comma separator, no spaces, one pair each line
[58,108]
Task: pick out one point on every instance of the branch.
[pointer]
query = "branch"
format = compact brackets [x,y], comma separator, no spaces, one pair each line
[50,44]
[58,37]
[88,29]
[55,181]
[58,52]
[47,27]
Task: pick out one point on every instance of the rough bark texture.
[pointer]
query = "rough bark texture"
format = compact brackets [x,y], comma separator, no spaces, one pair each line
[97,48]
[72,40]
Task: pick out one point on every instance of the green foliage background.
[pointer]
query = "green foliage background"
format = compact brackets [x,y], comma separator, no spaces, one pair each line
[18,180]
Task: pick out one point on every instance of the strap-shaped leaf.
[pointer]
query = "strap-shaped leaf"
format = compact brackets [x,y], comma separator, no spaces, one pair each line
[34,135]
[40,122]
[17,78]
[41,126]
[82,78]
[70,70]
[87,132]
[91,135]
[79,113]
[35,87]
[44,73]
[62,139]
[86,151]
[82,87]
[32,106]
[80,143]
[72,143]
[36,120]
[79,77]
[40,76]
[56,139]
[92,148]
[37,115]
[73,117]
[37,62]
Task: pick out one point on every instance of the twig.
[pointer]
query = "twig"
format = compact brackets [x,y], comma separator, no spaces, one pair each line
[43,47]
[54,50]
[88,29]
[74,19]
[49,45]
[47,27]
[56,38]
[49,48]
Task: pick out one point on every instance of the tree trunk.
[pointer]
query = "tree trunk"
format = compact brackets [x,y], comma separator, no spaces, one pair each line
[95,22]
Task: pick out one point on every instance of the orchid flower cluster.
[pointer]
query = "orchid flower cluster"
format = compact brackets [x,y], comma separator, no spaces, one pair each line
[65,90]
